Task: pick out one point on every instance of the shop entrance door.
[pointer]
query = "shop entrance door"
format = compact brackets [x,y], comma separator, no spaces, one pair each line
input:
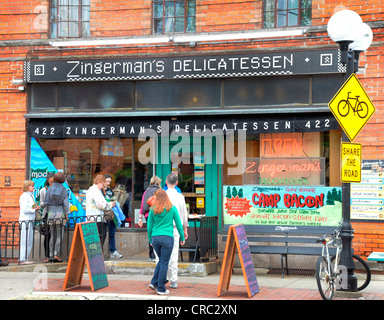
[195,163]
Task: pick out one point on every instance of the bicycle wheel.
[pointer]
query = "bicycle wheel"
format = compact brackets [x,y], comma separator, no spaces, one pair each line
[323,279]
[362,109]
[343,108]
[362,272]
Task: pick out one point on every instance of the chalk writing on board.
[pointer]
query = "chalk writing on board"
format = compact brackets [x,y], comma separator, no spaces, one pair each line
[237,238]
[245,253]
[95,255]
[86,248]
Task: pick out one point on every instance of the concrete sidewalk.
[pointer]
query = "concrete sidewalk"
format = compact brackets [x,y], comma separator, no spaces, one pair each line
[272,287]
[49,286]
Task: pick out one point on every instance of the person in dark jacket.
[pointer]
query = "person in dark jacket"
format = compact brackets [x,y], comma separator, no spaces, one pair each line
[154,185]
[57,204]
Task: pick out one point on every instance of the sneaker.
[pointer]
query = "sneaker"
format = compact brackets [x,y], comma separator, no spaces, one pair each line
[163,293]
[152,260]
[116,255]
[173,285]
[151,286]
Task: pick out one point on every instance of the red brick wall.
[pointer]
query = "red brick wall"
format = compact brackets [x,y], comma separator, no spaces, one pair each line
[27,20]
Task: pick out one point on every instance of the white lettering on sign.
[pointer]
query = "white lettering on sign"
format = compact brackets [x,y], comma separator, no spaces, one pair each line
[230,64]
[81,68]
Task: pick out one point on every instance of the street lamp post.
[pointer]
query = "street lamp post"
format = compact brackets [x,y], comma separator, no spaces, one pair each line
[353,36]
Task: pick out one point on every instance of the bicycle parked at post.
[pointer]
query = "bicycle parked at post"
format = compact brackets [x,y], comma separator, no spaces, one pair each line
[328,269]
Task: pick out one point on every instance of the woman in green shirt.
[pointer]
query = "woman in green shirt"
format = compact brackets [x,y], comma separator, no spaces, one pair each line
[160,235]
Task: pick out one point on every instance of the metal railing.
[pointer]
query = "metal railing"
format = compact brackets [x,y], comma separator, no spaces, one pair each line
[202,240]
[34,241]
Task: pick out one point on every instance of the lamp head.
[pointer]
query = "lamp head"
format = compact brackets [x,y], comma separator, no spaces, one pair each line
[344,26]
[363,40]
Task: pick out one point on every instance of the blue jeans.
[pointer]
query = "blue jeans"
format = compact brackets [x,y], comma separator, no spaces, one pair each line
[112,240]
[163,246]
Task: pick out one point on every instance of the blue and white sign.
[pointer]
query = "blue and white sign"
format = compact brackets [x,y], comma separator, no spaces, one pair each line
[40,167]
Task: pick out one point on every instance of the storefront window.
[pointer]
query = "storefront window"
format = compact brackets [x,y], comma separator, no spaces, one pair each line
[288,159]
[82,159]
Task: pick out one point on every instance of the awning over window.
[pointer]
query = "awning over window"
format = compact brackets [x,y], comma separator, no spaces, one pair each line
[134,126]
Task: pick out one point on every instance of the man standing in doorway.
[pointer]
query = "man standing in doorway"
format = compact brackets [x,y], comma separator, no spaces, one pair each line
[178,201]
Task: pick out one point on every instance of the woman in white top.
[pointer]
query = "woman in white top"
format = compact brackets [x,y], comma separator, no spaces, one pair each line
[96,205]
[28,209]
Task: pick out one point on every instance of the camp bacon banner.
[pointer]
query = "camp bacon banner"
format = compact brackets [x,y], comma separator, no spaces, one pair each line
[282,207]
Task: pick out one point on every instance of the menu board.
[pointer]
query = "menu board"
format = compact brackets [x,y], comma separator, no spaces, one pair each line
[86,249]
[367,197]
[237,239]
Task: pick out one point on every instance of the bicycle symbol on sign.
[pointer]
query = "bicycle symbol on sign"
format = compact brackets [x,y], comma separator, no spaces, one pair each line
[344,106]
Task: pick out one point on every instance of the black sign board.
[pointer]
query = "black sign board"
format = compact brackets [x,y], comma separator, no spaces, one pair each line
[86,249]
[237,239]
[152,127]
[269,63]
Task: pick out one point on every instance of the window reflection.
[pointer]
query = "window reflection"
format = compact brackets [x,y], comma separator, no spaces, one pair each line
[174,16]
[82,159]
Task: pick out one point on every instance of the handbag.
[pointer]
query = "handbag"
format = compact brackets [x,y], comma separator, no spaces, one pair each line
[38,215]
[109,215]
[151,201]
[43,228]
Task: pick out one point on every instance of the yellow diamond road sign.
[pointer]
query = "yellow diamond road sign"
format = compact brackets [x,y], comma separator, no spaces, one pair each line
[352,107]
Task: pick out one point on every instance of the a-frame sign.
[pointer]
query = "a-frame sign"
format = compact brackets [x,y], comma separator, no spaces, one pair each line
[86,250]
[237,239]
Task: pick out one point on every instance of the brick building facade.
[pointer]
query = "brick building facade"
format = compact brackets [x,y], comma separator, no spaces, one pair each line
[26,35]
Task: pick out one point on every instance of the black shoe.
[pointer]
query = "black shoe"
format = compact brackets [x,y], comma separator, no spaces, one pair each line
[4,263]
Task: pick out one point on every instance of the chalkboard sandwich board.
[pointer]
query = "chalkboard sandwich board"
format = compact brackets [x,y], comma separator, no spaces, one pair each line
[86,250]
[237,239]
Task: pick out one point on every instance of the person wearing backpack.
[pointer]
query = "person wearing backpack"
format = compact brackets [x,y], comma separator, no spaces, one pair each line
[57,204]
[154,185]
[108,195]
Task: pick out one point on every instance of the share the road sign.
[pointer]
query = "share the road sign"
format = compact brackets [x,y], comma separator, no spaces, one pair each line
[352,107]
[350,162]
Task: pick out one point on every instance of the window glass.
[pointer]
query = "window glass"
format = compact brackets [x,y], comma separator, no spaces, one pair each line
[293,4]
[191,24]
[70,18]
[264,152]
[158,10]
[95,95]
[185,94]
[178,94]
[43,96]
[306,17]
[292,17]
[174,16]
[266,91]
[283,13]
[324,88]
[82,159]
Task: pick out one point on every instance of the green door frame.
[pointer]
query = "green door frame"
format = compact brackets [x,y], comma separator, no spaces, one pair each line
[213,178]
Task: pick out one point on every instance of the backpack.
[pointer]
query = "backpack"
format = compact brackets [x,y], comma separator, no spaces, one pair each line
[148,194]
[56,194]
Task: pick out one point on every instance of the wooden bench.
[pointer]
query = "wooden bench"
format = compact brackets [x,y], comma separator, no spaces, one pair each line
[285,244]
